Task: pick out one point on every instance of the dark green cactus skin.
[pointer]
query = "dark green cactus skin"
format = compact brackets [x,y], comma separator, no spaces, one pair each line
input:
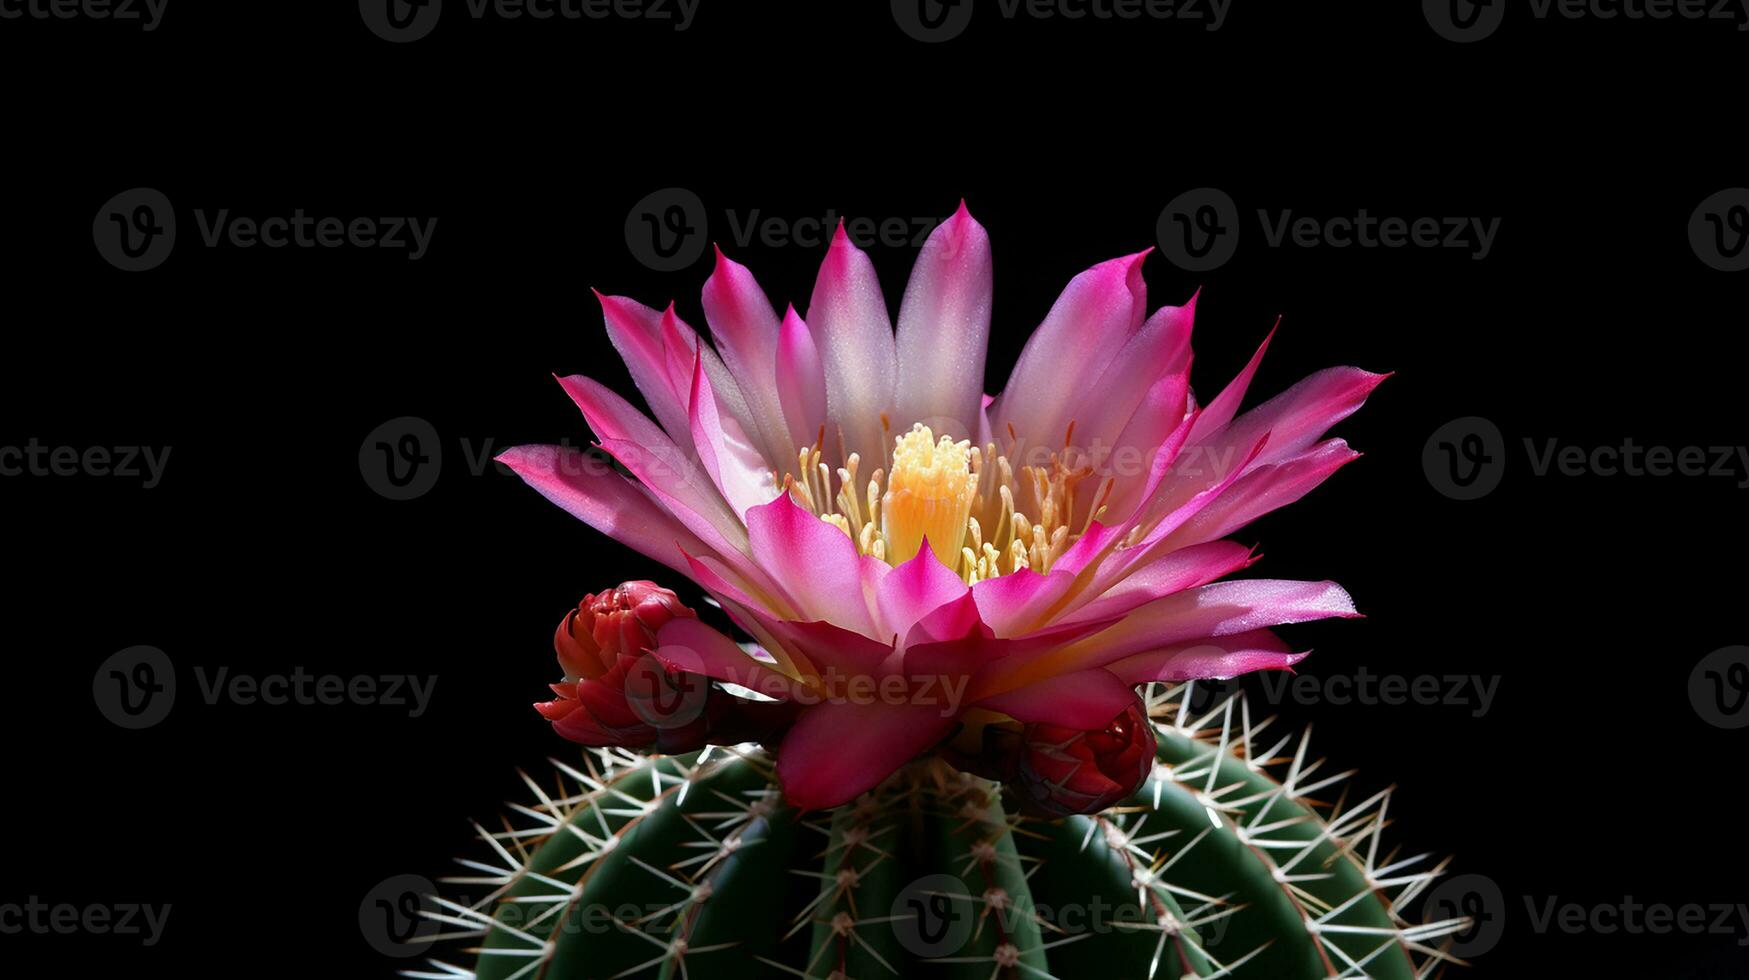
[694,867]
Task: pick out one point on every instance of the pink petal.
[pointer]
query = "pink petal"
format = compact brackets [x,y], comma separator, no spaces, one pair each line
[944,330]
[734,465]
[1085,329]
[1219,609]
[592,491]
[801,384]
[669,472]
[1262,490]
[746,329]
[1226,404]
[636,333]
[689,645]
[838,750]
[1298,417]
[1173,571]
[1009,604]
[1087,699]
[1214,656]
[849,321]
[816,564]
[915,589]
[1161,424]
[1157,356]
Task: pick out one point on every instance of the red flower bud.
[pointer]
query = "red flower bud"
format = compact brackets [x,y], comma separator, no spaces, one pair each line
[616,692]
[1061,771]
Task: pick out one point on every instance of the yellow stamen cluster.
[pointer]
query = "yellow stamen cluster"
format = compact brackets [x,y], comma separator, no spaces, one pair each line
[929,496]
[949,492]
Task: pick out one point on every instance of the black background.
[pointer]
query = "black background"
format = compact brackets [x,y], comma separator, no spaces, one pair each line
[1591,598]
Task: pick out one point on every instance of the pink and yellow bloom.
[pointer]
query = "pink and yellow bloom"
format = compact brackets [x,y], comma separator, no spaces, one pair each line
[914,558]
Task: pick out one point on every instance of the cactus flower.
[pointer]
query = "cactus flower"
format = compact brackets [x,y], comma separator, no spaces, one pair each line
[903,548]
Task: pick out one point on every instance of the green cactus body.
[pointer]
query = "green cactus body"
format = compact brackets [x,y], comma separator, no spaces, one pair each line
[1223,865]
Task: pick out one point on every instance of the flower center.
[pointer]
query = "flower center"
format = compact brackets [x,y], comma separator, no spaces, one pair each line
[929,496]
[949,493]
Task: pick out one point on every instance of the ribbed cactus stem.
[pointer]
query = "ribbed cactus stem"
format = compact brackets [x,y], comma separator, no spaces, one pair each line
[1237,858]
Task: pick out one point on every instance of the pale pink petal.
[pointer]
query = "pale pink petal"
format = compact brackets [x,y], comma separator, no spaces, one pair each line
[944,330]
[914,589]
[1218,657]
[745,328]
[801,384]
[854,334]
[839,750]
[592,491]
[817,565]
[1085,329]
[1087,699]
[737,468]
